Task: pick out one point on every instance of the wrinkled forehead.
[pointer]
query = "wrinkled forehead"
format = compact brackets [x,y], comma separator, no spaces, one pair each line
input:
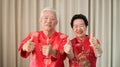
[48,13]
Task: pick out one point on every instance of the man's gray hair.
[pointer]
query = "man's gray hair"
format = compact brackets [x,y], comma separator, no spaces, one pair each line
[48,9]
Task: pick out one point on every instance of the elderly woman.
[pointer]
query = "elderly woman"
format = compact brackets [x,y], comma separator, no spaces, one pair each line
[86,48]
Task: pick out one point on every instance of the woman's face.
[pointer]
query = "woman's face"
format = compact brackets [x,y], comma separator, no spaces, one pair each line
[79,28]
[48,20]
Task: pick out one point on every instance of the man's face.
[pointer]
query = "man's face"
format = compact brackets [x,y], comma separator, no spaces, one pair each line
[79,28]
[48,20]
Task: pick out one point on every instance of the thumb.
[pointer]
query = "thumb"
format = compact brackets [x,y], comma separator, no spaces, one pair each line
[68,40]
[31,39]
[68,43]
[91,35]
[91,38]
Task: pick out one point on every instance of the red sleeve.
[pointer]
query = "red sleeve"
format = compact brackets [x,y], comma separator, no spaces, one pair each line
[24,54]
[61,48]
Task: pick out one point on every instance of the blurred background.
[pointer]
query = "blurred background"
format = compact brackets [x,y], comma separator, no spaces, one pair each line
[20,17]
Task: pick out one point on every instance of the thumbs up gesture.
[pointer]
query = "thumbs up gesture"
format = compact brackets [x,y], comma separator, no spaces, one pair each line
[93,40]
[29,45]
[48,50]
[67,47]
[95,45]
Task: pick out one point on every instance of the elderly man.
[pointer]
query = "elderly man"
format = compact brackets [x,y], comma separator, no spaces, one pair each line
[47,47]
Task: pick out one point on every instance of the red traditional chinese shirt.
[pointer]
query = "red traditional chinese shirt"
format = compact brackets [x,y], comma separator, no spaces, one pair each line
[82,46]
[37,59]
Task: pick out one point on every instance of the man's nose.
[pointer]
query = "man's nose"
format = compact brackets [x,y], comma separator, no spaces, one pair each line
[48,20]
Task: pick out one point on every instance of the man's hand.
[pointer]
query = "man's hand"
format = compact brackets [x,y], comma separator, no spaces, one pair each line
[48,50]
[29,45]
[68,49]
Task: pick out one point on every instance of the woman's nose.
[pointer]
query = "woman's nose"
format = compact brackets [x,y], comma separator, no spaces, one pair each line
[79,28]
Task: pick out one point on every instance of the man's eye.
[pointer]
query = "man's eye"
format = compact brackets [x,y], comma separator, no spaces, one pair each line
[45,18]
[52,18]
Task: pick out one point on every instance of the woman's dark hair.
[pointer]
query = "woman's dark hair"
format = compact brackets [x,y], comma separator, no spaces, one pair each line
[79,16]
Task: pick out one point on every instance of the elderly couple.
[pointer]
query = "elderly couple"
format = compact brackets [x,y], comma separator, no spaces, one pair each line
[49,48]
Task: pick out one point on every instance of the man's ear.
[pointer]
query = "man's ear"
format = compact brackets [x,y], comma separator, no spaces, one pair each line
[56,22]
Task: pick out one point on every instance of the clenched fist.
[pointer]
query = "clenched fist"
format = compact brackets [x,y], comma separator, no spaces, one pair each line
[46,50]
[29,45]
[84,62]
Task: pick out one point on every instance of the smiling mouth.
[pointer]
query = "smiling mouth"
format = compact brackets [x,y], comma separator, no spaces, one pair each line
[80,32]
[48,25]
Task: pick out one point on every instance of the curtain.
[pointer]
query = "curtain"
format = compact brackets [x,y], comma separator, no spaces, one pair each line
[20,17]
